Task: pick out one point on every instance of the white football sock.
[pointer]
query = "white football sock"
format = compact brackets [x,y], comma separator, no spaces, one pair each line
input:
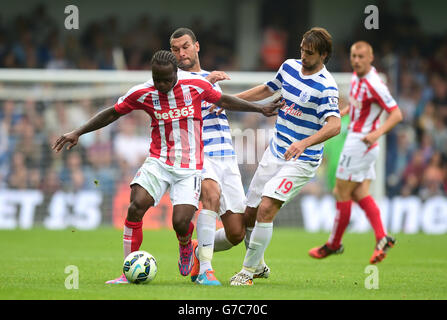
[248,232]
[206,229]
[221,241]
[259,240]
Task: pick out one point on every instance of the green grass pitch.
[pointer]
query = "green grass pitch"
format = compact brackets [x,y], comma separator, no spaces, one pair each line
[34,261]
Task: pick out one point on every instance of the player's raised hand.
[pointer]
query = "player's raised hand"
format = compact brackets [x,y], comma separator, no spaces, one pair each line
[270,109]
[215,76]
[70,137]
[294,151]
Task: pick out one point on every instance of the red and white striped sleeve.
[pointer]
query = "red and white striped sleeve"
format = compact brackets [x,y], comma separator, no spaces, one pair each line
[381,94]
[210,94]
[129,102]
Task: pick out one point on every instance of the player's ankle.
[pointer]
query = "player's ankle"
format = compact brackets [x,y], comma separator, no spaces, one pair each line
[205,265]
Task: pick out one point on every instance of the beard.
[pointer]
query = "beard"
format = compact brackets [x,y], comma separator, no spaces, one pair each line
[310,68]
[187,64]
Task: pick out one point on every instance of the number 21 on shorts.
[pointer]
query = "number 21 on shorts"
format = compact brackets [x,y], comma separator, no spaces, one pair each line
[285,186]
[345,160]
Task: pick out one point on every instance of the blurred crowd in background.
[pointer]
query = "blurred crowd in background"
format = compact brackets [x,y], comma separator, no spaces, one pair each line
[415,64]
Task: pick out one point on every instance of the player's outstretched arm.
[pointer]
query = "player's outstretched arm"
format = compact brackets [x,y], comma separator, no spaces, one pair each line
[393,119]
[257,93]
[330,129]
[233,103]
[98,121]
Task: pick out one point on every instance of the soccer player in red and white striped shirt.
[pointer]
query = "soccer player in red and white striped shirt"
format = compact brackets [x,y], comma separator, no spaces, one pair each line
[172,99]
[368,99]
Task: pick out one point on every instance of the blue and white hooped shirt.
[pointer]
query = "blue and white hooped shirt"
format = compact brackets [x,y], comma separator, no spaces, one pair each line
[216,134]
[309,101]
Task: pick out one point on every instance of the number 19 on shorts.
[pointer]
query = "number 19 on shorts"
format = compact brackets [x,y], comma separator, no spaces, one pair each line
[285,186]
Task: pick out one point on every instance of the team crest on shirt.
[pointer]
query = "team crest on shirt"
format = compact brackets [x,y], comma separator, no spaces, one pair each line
[304,96]
[156,102]
[187,98]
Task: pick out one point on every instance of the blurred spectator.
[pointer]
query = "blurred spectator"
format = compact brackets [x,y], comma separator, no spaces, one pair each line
[439,135]
[58,58]
[433,180]
[73,174]
[50,182]
[18,174]
[9,116]
[56,118]
[440,93]
[25,52]
[398,160]
[274,44]
[426,121]
[34,178]
[413,174]
[409,96]
[128,145]
[426,146]
[28,144]
[101,170]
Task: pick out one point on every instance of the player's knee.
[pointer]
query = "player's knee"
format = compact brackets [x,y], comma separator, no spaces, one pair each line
[135,211]
[181,224]
[211,201]
[342,193]
[235,236]
[266,212]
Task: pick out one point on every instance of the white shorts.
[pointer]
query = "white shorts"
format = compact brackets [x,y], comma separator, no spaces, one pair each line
[225,171]
[357,160]
[279,179]
[156,177]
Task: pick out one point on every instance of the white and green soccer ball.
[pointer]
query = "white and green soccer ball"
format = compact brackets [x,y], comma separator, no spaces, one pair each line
[140,267]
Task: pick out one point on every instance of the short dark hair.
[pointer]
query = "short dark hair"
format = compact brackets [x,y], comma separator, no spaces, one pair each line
[164,57]
[320,40]
[180,32]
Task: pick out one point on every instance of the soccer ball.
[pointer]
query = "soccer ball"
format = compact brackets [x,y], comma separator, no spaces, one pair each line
[140,267]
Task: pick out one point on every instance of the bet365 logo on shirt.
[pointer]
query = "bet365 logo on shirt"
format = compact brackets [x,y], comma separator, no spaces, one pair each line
[175,113]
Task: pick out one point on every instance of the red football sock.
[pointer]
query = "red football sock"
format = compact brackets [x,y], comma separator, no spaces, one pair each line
[373,213]
[340,224]
[186,239]
[132,236]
